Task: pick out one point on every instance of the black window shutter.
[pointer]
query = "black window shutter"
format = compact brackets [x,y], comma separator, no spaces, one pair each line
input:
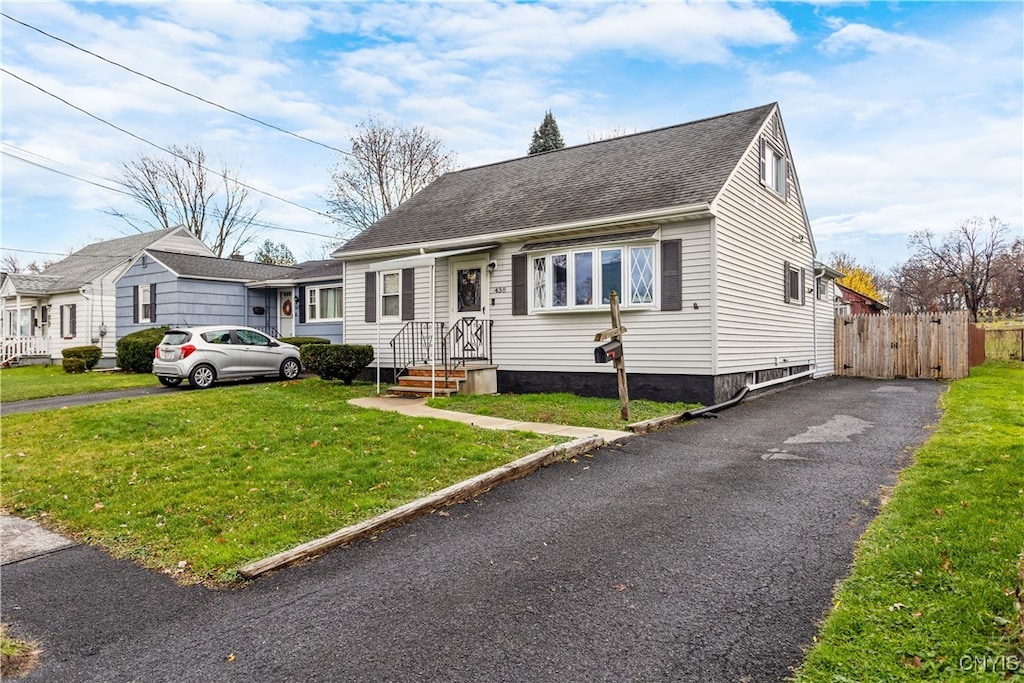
[74,320]
[672,275]
[785,178]
[61,321]
[803,286]
[300,305]
[408,293]
[370,301]
[152,303]
[519,290]
[135,308]
[763,151]
[44,315]
[785,280]
[32,321]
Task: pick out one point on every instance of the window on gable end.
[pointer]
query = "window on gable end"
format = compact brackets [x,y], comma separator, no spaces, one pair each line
[774,168]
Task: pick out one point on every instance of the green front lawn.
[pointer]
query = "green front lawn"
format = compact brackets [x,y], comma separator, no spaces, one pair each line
[199,483]
[937,574]
[45,381]
[564,409]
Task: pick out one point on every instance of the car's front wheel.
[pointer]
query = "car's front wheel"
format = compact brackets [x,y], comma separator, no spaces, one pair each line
[202,377]
[170,381]
[290,368]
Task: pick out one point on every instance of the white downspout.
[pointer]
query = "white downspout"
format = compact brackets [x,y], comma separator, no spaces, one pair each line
[433,332]
[377,315]
[88,312]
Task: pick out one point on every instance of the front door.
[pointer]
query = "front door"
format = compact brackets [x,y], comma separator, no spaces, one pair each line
[285,313]
[470,325]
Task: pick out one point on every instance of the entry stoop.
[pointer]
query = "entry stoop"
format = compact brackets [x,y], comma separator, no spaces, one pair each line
[470,379]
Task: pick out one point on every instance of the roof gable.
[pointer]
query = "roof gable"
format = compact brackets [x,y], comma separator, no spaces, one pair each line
[93,261]
[678,166]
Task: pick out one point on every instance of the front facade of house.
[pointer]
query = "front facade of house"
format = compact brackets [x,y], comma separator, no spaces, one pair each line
[699,228]
[161,288]
[72,302]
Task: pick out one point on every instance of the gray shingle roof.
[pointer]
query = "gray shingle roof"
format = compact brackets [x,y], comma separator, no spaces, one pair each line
[320,270]
[86,264]
[211,267]
[675,166]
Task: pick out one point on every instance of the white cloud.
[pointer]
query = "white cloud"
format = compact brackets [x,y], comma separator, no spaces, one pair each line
[864,37]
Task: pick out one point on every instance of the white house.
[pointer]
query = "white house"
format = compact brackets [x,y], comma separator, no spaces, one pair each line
[71,303]
[699,227]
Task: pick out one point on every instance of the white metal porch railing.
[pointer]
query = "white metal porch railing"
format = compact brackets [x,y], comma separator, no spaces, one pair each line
[14,348]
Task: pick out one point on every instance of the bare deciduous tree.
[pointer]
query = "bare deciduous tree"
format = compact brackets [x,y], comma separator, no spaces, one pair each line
[964,258]
[388,164]
[10,263]
[182,191]
[616,132]
[1008,279]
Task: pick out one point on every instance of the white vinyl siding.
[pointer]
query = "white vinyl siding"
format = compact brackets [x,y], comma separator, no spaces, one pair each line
[665,342]
[824,315]
[756,236]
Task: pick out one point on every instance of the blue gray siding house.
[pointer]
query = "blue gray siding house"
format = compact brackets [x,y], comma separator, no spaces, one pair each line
[163,288]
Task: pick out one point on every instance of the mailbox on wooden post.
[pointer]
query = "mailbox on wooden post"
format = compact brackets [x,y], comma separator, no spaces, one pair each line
[606,353]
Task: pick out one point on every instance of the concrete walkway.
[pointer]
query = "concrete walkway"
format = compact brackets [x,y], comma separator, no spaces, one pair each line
[417,407]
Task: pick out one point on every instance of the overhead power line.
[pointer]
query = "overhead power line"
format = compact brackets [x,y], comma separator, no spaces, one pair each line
[56,170]
[189,94]
[256,223]
[162,149]
[176,88]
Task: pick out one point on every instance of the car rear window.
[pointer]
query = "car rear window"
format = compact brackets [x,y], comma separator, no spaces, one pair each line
[176,338]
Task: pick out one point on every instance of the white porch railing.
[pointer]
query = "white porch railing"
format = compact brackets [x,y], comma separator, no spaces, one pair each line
[16,347]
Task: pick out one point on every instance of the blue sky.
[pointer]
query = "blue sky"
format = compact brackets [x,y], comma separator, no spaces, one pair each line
[901,116]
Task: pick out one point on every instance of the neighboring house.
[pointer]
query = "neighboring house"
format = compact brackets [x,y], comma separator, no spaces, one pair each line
[700,228]
[163,288]
[850,302]
[71,303]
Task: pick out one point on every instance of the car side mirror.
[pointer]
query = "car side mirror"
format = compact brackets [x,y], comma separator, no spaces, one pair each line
[274,343]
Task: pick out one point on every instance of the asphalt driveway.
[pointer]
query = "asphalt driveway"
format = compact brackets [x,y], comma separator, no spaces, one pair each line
[704,552]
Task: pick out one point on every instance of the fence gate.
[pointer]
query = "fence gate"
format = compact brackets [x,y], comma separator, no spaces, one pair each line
[932,345]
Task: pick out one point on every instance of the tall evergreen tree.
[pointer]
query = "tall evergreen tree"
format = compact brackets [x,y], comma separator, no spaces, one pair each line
[547,137]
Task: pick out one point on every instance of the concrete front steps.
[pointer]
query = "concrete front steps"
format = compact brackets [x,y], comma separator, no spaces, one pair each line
[470,379]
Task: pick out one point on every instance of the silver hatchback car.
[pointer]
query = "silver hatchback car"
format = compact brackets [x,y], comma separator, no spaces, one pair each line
[203,355]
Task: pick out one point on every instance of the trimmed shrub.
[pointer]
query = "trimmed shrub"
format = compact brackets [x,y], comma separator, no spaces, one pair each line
[135,350]
[303,341]
[73,365]
[336,361]
[90,355]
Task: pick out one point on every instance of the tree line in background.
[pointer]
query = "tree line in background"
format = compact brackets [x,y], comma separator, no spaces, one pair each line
[977,266]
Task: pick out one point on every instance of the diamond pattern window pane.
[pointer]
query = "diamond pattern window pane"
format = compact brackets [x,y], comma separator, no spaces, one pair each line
[540,282]
[641,275]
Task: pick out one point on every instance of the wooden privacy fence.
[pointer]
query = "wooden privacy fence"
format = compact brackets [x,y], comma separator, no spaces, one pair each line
[932,345]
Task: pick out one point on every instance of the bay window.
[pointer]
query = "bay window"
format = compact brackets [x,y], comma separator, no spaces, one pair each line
[583,279]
